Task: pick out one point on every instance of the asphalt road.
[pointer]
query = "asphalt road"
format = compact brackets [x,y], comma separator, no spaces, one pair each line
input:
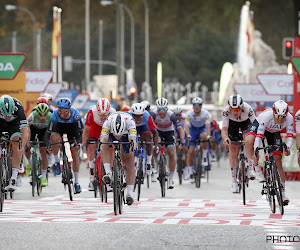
[187,218]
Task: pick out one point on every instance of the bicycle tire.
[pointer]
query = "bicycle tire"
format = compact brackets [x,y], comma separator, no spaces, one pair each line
[121,190]
[162,176]
[33,172]
[180,166]
[2,185]
[278,190]
[96,181]
[102,185]
[139,177]
[39,185]
[243,180]
[198,171]
[270,193]
[68,175]
[115,187]
[148,180]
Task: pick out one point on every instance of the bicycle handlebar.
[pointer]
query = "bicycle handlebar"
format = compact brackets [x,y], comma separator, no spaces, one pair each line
[270,148]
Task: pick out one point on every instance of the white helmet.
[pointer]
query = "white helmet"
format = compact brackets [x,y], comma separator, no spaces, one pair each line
[118,124]
[146,104]
[197,100]
[177,110]
[280,108]
[137,109]
[103,105]
[235,101]
[161,103]
[48,96]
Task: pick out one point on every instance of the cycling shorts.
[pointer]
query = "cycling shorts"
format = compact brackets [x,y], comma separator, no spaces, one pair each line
[195,134]
[124,138]
[167,136]
[71,129]
[143,129]
[235,127]
[41,135]
[95,131]
[13,127]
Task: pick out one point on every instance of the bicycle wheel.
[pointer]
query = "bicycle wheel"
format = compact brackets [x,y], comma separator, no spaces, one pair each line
[180,166]
[278,187]
[198,171]
[68,177]
[38,182]
[96,181]
[140,177]
[242,162]
[33,172]
[162,176]
[102,186]
[207,167]
[121,190]
[115,186]
[270,191]
[2,184]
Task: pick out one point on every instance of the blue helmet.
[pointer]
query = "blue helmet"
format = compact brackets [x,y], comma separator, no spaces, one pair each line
[64,103]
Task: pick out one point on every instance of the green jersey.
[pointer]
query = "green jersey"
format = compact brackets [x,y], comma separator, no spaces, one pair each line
[33,120]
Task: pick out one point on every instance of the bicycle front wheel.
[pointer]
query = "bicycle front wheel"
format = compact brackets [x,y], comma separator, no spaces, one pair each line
[68,177]
[180,166]
[162,175]
[38,179]
[140,177]
[2,184]
[33,172]
[243,180]
[116,189]
[198,171]
[278,189]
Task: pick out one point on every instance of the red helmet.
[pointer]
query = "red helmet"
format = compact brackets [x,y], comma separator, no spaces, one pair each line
[103,105]
[42,100]
[125,108]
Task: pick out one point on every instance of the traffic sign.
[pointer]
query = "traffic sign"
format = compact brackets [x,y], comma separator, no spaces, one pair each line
[10,64]
[296,63]
[277,84]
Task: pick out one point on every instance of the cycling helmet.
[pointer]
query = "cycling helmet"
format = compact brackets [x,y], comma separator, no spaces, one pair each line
[42,108]
[146,105]
[197,100]
[177,110]
[118,124]
[103,105]
[280,108]
[42,100]
[125,108]
[64,103]
[7,105]
[235,101]
[48,96]
[161,103]
[137,109]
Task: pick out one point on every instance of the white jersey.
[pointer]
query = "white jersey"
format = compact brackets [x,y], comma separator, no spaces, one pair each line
[197,121]
[130,127]
[246,113]
[297,121]
[266,122]
[168,123]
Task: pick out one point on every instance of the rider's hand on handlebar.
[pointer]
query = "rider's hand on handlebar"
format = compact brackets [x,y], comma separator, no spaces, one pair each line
[287,152]
[226,142]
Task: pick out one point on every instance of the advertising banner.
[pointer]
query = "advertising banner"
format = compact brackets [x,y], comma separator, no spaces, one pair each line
[10,64]
[277,84]
[37,80]
[80,101]
[53,88]
[88,105]
[255,93]
[71,94]
[31,98]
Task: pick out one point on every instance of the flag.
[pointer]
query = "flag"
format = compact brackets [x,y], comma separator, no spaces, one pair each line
[55,33]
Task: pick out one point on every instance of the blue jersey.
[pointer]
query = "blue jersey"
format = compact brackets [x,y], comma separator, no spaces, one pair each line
[74,118]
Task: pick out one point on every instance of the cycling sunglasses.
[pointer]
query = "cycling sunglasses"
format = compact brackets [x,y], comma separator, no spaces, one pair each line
[137,116]
[63,110]
[279,116]
[103,114]
[162,110]
[197,105]
[236,110]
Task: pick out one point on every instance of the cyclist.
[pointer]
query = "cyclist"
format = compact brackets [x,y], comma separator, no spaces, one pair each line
[237,116]
[146,129]
[165,121]
[181,118]
[38,122]
[13,120]
[215,138]
[66,120]
[269,124]
[146,105]
[44,100]
[49,98]
[119,126]
[197,127]
[92,130]
[125,108]
[297,125]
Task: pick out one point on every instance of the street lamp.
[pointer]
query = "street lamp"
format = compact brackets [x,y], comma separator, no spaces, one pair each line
[147,75]
[10,7]
[122,6]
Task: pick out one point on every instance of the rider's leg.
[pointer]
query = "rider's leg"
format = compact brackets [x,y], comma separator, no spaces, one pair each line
[76,163]
[172,160]
[44,156]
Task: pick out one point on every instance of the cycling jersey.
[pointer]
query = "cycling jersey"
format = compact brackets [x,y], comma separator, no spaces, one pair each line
[266,123]
[14,123]
[246,113]
[130,127]
[182,124]
[93,117]
[297,121]
[72,127]
[34,120]
[197,121]
[147,124]
[167,123]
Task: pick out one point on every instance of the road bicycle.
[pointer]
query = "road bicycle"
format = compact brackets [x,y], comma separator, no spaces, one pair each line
[199,170]
[99,172]
[118,182]
[180,164]
[141,168]
[67,176]
[272,187]
[36,166]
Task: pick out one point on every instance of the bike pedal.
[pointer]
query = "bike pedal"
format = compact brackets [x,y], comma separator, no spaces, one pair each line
[285,203]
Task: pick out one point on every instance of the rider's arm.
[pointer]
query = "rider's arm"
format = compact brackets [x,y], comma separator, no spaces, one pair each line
[85,134]
[290,131]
